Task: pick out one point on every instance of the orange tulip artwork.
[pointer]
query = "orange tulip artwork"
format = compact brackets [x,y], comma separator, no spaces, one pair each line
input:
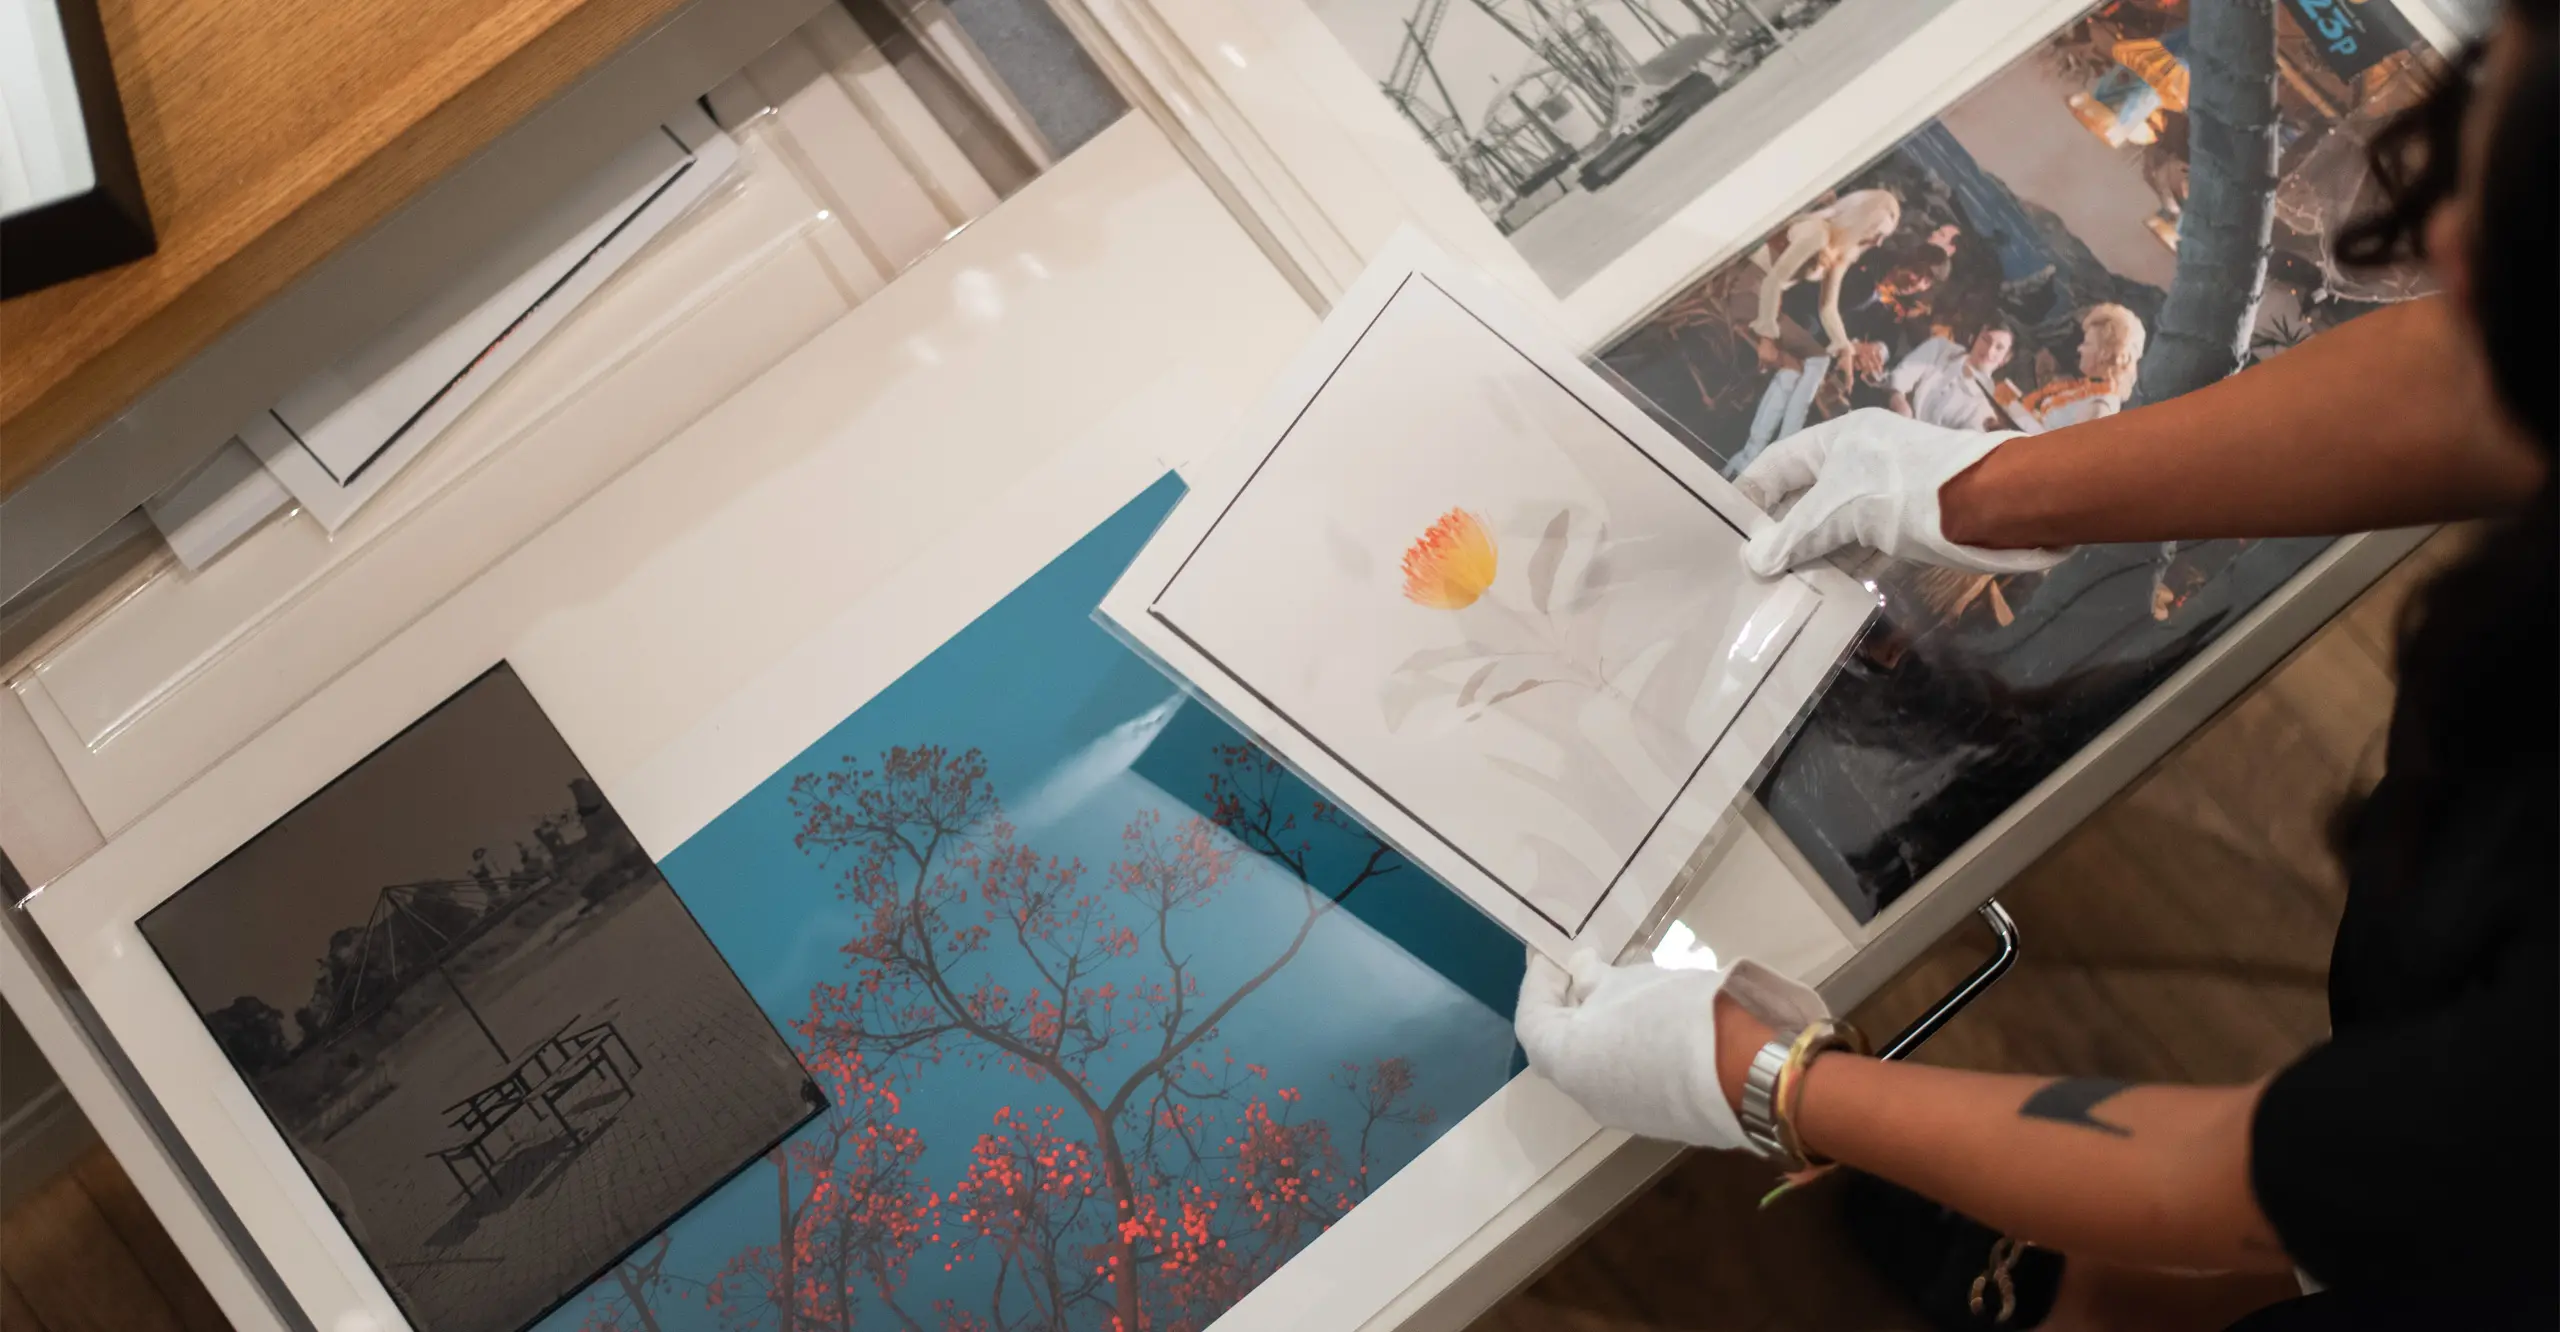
[1496,607]
[1451,564]
[1509,650]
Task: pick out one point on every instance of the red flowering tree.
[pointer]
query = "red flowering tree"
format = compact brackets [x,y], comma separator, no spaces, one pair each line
[851,1213]
[1029,1193]
[1172,1178]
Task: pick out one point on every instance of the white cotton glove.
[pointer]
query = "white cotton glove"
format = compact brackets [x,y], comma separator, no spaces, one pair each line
[1870,478]
[1636,1045]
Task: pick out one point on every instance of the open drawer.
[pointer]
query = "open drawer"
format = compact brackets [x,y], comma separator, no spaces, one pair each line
[758,536]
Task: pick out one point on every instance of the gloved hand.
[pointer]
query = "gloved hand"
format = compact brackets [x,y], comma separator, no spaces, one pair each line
[1871,478]
[1636,1045]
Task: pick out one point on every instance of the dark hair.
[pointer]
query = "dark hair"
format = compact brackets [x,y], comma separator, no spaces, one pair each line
[2479,642]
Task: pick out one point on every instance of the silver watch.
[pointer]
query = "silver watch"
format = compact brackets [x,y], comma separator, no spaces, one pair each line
[1759,1109]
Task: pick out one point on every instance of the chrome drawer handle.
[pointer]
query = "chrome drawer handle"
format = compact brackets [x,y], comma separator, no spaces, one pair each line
[2005,932]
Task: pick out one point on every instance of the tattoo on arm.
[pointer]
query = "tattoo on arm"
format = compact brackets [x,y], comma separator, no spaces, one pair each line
[2069,1101]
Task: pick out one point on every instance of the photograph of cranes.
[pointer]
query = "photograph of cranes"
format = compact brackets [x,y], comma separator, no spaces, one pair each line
[1580,126]
[490,1032]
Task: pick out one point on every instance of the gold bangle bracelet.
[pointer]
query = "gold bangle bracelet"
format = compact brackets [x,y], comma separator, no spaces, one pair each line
[1813,1040]
[1817,1039]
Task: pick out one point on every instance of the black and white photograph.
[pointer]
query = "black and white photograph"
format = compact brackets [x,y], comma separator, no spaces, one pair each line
[1582,126]
[492,1034]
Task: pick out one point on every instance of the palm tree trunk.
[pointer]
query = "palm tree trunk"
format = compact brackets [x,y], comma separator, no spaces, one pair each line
[2226,232]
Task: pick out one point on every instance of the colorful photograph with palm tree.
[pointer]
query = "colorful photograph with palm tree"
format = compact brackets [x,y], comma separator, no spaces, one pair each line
[2105,223]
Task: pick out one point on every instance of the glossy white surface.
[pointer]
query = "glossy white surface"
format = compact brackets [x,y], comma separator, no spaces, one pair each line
[145,698]
[968,422]
[193,664]
[42,822]
[856,137]
[222,502]
[341,435]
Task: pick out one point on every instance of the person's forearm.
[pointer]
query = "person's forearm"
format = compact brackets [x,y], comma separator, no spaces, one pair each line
[2383,422]
[2150,1176]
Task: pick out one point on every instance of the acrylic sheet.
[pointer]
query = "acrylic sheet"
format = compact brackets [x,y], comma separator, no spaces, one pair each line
[489,1030]
[2050,250]
[1476,595]
[1115,1015]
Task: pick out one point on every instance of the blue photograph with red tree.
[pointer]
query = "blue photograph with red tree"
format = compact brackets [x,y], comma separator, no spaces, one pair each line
[1114,1014]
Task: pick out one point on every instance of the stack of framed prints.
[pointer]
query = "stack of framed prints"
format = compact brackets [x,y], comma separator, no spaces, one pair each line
[2041,211]
[2077,235]
[957,968]
[1062,1001]
[1129,990]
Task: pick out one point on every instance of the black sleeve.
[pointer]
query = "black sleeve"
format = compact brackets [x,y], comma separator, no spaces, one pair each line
[2423,1150]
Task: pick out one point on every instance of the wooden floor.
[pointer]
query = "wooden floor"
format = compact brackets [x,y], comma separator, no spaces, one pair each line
[83,1254]
[2182,934]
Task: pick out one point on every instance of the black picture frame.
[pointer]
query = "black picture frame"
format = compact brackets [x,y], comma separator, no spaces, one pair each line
[109,225]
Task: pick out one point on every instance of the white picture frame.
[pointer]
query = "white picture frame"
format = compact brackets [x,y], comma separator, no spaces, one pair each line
[1315,160]
[1301,144]
[339,437]
[1499,840]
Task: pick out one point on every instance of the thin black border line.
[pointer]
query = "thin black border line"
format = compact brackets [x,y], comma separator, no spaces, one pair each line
[1285,432]
[392,440]
[817,1105]
[308,451]
[1156,613]
[1686,782]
